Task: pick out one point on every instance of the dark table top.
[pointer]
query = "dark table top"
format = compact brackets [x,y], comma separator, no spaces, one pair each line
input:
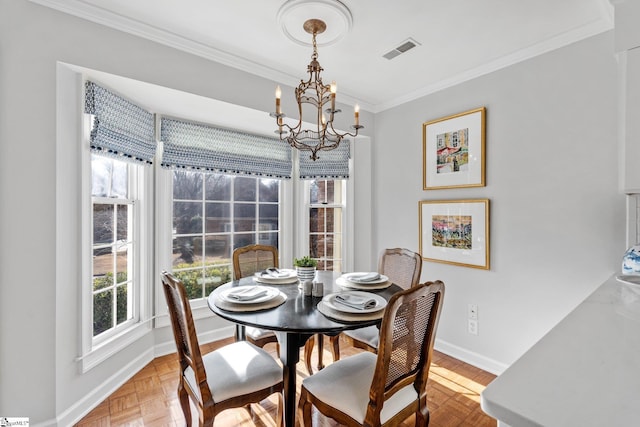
[298,313]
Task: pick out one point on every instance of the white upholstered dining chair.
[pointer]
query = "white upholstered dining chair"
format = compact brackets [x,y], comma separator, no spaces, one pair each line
[233,376]
[383,389]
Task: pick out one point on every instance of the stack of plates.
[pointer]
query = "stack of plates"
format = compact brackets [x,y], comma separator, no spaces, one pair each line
[281,277]
[355,302]
[364,281]
[249,294]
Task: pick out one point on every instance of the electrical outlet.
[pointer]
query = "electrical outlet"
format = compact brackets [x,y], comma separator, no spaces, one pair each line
[472,311]
[472,326]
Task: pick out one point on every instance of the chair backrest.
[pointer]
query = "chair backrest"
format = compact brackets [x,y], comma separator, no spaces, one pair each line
[250,259]
[402,266]
[407,335]
[184,332]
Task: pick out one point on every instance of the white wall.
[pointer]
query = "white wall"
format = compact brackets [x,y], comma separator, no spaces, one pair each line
[557,219]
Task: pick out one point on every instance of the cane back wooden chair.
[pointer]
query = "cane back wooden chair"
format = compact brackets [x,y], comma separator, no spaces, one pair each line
[383,389]
[248,260]
[233,376]
[403,267]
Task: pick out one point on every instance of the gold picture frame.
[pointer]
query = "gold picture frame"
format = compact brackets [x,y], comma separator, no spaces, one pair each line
[453,151]
[455,232]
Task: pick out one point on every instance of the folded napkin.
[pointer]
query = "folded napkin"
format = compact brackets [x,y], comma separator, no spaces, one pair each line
[274,272]
[353,301]
[247,293]
[365,277]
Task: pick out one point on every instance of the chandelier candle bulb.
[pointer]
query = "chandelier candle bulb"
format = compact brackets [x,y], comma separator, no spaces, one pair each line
[278,96]
[334,88]
[356,113]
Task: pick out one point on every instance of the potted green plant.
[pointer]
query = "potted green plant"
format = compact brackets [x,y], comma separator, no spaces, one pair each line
[305,267]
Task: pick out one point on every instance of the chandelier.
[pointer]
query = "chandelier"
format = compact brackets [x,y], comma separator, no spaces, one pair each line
[313,92]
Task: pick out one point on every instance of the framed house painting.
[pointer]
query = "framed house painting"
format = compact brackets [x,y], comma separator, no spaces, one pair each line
[455,232]
[453,151]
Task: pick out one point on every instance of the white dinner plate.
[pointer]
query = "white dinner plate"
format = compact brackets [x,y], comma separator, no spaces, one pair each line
[290,277]
[271,294]
[353,278]
[381,303]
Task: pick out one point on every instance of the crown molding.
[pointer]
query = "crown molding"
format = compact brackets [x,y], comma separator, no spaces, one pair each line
[565,39]
[141,29]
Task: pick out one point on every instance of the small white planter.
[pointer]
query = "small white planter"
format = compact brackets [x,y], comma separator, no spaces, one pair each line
[306,273]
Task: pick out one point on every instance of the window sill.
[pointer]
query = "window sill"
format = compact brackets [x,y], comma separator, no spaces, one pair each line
[108,348]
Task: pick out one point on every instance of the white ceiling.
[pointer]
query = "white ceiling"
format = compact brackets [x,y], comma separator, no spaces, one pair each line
[459,39]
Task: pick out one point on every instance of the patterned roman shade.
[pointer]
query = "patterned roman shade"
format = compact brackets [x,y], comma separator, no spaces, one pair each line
[333,164]
[120,127]
[205,147]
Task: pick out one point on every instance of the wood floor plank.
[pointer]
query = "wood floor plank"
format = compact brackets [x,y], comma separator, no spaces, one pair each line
[149,398]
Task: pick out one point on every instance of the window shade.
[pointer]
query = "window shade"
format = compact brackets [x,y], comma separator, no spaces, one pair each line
[205,147]
[120,127]
[332,164]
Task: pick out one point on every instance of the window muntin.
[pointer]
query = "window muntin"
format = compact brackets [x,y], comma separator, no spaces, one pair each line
[225,212]
[326,219]
[113,246]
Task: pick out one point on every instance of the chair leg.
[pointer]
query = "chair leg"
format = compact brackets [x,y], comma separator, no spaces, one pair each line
[304,409]
[308,348]
[184,403]
[280,413]
[335,347]
[422,416]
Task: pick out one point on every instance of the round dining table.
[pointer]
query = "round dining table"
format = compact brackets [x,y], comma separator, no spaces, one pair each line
[294,322]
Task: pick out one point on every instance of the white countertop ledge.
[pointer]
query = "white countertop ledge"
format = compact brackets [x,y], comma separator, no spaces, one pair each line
[585,372]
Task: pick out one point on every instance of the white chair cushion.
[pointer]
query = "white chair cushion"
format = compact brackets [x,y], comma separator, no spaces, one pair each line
[257,333]
[369,335]
[345,385]
[237,369]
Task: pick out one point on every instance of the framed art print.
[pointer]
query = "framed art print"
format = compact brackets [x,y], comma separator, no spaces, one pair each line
[455,232]
[453,151]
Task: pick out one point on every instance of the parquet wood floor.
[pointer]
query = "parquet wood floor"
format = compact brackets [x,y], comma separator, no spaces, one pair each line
[149,397]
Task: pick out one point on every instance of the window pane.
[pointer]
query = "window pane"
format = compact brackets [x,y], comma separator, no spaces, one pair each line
[122,268]
[192,280]
[244,217]
[216,276]
[187,185]
[119,180]
[314,244]
[268,217]
[316,220]
[185,251]
[329,219]
[240,240]
[245,189]
[217,187]
[102,223]
[101,280]
[102,311]
[218,217]
[268,239]
[108,177]
[269,190]
[121,303]
[217,248]
[187,217]
[123,222]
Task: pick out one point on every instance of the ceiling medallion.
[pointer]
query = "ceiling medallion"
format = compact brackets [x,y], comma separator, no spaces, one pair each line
[314,93]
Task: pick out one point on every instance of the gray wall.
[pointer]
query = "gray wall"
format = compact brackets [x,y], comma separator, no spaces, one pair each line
[556,221]
[557,218]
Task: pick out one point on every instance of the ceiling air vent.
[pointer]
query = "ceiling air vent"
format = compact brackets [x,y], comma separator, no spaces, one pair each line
[404,46]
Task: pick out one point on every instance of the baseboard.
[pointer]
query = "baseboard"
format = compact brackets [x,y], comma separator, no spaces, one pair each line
[470,357]
[82,407]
